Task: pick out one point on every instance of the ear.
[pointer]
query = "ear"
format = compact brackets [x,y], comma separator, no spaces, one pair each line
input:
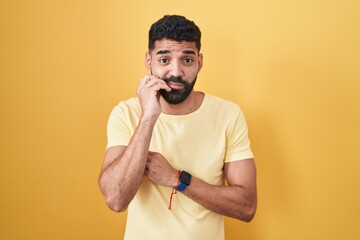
[148,61]
[200,61]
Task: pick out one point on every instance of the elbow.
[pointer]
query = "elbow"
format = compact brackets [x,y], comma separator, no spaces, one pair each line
[245,214]
[249,214]
[249,210]
[113,201]
[115,205]
[248,217]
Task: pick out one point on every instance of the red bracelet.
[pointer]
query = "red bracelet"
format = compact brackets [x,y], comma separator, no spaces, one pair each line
[173,191]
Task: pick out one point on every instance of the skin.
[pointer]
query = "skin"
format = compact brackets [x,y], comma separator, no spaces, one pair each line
[124,166]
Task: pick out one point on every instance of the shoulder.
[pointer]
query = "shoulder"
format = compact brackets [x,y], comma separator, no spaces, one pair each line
[131,104]
[128,109]
[218,103]
[223,110]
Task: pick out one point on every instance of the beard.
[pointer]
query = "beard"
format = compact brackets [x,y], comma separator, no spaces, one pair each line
[176,96]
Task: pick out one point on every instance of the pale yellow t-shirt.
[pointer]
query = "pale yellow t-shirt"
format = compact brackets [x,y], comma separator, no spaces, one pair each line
[199,143]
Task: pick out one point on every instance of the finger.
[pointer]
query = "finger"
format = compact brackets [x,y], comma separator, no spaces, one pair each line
[152,80]
[158,84]
[142,85]
[148,80]
[145,79]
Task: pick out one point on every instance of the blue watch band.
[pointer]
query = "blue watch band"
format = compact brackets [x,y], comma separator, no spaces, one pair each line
[181,187]
[184,181]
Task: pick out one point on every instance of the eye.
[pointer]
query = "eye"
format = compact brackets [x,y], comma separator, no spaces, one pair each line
[188,60]
[163,60]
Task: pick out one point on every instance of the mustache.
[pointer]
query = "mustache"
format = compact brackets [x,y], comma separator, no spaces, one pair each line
[175,80]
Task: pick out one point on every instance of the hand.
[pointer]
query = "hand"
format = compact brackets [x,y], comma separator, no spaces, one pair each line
[148,94]
[159,170]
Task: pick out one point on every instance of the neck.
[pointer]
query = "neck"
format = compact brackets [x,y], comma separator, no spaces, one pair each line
[189,105]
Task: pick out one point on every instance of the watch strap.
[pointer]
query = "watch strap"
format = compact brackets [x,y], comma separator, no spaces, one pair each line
[181,187]
[185,179]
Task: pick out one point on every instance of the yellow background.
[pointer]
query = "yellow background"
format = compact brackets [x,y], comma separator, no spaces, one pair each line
[293,66]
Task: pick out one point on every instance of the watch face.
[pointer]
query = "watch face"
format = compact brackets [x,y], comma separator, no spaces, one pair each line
[185,177]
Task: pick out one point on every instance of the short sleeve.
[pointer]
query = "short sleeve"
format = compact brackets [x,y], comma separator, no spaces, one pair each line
[118,132]
[237,140]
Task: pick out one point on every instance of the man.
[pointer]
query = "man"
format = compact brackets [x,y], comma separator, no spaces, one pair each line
[171,138]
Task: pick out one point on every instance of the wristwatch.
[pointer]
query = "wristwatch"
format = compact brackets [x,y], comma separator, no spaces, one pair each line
[185,179]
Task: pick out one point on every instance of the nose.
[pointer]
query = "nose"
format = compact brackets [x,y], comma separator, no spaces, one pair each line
[176,69]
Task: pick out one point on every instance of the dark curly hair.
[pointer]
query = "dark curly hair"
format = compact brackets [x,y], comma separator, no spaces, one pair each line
[176,28]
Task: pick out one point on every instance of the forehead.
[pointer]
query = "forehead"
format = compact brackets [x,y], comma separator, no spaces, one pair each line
[173,46]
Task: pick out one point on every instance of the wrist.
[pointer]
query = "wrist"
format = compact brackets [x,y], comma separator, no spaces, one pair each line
[148,120]
[184,181]
[176,179]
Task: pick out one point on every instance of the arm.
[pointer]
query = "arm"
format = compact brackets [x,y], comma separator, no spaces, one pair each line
[237,200]
[123,169]
[124,166]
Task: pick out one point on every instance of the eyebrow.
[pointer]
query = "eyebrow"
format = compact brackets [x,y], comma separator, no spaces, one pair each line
[160,52]
[189,52]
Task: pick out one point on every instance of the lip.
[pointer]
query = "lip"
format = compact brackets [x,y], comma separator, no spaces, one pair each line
[175,85]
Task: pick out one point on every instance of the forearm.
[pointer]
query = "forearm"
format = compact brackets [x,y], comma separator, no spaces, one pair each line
[121,179]
[232,201]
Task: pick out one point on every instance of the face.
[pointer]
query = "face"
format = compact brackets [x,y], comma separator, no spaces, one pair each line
[178,63]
